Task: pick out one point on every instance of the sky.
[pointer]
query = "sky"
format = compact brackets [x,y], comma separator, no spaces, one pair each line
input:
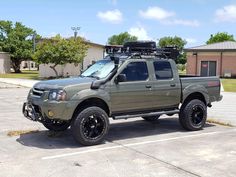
[192,20]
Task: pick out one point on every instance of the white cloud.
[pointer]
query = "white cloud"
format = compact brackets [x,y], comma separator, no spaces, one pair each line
[156,13]
[226,14]
[112,16]
[166,17]
[191,40]
[139,32]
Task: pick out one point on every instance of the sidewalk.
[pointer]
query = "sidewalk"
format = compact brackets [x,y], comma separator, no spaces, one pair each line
[224,110]
[19,82]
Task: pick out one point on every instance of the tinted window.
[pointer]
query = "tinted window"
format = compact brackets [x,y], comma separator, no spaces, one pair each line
[163,70]
[136,71]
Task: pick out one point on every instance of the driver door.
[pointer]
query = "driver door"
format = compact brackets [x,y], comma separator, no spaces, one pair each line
[135,93]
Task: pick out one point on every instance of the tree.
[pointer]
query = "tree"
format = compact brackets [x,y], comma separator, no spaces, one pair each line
[17,40]
[220,37]
[175,41]
[121,38]
[59,51]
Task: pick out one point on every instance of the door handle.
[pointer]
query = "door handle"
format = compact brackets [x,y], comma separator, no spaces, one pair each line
[172,85]
[148,86]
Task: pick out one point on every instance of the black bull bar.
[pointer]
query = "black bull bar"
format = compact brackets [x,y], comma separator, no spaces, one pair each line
[29,112]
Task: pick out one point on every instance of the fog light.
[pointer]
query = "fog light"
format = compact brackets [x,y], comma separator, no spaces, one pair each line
[50,113]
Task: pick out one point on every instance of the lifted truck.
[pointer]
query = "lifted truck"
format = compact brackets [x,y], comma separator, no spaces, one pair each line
[137,80]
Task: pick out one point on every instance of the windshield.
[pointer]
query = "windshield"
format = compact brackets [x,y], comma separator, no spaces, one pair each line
[100,69]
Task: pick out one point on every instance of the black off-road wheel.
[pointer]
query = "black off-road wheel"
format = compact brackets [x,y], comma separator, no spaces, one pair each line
[55,125]
[193,115]
[90,126]
[151,118]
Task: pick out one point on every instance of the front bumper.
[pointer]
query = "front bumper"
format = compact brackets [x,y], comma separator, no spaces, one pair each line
[38,110]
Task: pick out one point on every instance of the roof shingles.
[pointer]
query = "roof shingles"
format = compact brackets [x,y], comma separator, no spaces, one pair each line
[227,45]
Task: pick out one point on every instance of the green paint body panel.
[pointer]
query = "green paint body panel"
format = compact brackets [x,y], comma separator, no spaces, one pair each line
[126,96]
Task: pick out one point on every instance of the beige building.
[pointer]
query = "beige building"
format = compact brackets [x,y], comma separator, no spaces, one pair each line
[217,59]
[28,65]
[95,52]
[5,63]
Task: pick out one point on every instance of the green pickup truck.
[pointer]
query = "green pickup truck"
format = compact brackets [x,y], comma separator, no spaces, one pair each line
[138,83]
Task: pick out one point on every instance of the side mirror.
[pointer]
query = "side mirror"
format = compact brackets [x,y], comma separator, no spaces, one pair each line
[120,78]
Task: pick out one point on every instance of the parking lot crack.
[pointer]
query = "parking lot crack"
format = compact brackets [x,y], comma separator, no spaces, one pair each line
[112,166]
[157,159]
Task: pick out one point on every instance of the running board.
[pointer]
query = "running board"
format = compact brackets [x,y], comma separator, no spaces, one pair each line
[146,114]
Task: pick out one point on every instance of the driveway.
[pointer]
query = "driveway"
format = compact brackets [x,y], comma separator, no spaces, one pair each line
[133,147]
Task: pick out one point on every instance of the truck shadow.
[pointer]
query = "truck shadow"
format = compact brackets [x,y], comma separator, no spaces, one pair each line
[120,130]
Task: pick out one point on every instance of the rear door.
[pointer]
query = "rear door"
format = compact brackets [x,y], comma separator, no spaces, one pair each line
[212,68]
[136,92]
[167,87]
[204,68]
[208,68]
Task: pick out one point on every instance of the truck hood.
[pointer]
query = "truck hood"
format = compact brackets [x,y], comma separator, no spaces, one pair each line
[61,83]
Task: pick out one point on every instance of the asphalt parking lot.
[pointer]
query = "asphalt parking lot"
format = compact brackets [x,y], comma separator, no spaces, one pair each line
[133,147]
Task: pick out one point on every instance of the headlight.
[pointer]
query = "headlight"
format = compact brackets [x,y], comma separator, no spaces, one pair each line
[58,95]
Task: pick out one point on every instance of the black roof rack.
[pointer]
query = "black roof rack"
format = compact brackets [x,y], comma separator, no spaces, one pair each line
[112,49]
[141,48]
[168,52]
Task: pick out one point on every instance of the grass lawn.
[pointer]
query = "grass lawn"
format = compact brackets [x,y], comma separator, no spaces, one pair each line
[182,72]
[23,75]
[229,85]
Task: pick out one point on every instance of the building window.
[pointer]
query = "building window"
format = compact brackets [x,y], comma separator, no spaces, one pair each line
[25,65]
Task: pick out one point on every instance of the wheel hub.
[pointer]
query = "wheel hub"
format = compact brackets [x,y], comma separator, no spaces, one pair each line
[197,115]
[93,127]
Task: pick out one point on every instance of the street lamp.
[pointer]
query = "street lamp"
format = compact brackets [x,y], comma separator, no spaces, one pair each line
[75,29]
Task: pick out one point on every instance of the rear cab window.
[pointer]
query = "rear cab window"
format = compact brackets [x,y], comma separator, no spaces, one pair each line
[163,70]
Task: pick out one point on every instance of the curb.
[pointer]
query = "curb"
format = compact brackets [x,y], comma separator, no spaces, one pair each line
[19,82]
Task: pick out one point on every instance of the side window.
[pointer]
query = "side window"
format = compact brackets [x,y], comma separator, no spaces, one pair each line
[136,71]
[163,70]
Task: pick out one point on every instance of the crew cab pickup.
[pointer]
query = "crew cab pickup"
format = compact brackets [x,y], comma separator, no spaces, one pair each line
[120,87]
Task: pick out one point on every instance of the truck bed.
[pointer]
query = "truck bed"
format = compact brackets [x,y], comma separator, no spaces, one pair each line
[208,85]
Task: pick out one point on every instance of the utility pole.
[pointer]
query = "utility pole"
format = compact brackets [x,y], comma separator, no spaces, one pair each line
[75,29]
[34,43]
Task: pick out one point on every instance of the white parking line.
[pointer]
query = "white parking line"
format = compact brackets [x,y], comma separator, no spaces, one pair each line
[133,144]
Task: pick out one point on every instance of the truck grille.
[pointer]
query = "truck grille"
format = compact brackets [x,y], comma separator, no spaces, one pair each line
[36,92]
